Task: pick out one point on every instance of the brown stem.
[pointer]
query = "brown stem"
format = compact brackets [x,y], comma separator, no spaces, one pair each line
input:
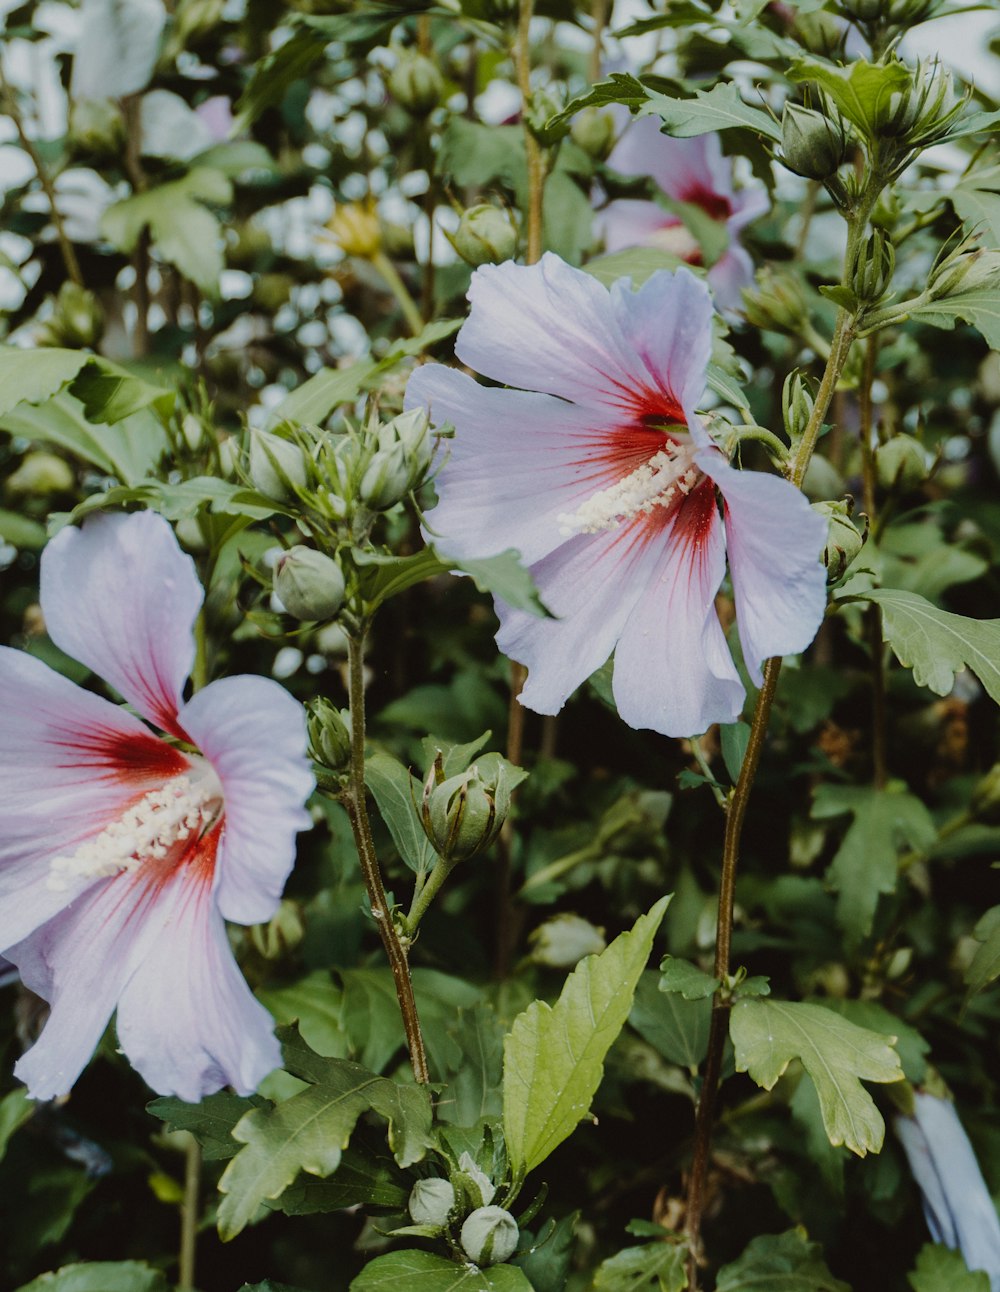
[533,149]
[357,810]
[600,11]
[189,1215]
[10,105]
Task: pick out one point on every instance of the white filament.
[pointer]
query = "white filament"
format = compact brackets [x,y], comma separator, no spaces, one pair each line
[657,483]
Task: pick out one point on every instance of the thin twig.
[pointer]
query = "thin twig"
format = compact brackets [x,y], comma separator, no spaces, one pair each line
[533,149]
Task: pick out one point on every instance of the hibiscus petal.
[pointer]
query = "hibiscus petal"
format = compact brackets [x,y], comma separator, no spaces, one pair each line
[120,596]
[679,166]
[254,735]
[729,275]
[630,222]
[518,461]
[775,540]
[673,670]
[590,584]
[186,1018]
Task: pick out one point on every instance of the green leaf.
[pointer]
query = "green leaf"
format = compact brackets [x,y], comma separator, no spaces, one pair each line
[554,1055]
[653,1267]
[15,1109]
[386,577]
[475,155]
[939,1269]
[316,1003]
[422,1272]
[861,90]
[886,822]
[719,108]
[788,1262]
[110,393]
[275,72]
[211,1122]
[676,1028]
[620,87]
[21,531]
[473,1089]
[129,450]
[31,376]
[935,643]
[985,966]
[397,793]
[315,399]
[505,577]
[978,208]
[362,1179]
[309,1131]
[687,979]
[100,1276]
[269,1285]
[637,263]
[735,736]
[981,308]
[910,1045]
[769,1034]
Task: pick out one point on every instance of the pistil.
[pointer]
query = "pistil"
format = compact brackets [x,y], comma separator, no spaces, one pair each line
[663,480]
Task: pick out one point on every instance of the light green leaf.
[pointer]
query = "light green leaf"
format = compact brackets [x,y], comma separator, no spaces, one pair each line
[981,308]
[935,643]
[100,1276]
[310,1131]
[861,90]
[211,1122]
[676,1028]
[505,577]
[422,1272]
[979,209]
[637,263]
[31,376]
[785,1262]
[386,577]
[985,966]
[15,1109]
[653,1267]
[768,1034]
[687,979]
[910,1045]
[183,500]
[315,399]
[734,737]
[397,793]
[21,531]
[554,1055]
[719,108]
[129,450]
[939,1269]
[886,822]
[316,1003]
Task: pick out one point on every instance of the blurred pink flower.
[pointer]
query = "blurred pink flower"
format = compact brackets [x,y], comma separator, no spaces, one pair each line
[687,170]
[122,851]
[600,474]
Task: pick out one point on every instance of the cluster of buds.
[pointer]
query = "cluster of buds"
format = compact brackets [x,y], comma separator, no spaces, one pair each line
[886,13]
[309,584]
[416,83]
[777,304]
[872,269]
[329,734]
[488,1234]
[919,115]
[486,235]
[394,458]
[813,144]
[844,540]
[278,467]
[463,814]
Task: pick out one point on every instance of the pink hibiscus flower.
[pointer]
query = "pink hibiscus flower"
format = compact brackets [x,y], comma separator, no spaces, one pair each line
[122,851]
[687,170]
[599,472]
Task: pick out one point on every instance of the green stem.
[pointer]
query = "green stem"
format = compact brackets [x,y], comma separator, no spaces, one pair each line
[699,757]
[406,303]
[189,1215]
[949,828]
[357,810]
[873,613]
[423,897]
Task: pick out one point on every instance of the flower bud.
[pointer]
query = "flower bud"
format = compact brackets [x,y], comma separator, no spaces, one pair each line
[463,814]
[478,1186]
[485,235]
[564,940]
[329,734]
[797,404]
[489,1235]
[283,931]
[309,584]
[538,111]
[777,304]
[594,131]
[872,270]
[416,83]
[40,475]
[277,467]
[97,126]
[922,112]
[901,463]
[386,479]
[812,144]
[430,1202]
[965,271]
[77,320]
[844,539]
[355,229]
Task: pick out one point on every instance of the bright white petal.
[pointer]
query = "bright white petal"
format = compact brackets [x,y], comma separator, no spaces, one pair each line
[254,734]
[673,671]
[775,540]
[120,596]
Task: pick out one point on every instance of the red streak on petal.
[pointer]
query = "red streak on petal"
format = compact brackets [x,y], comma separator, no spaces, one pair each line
[714,204]
[111,755]
[695,517]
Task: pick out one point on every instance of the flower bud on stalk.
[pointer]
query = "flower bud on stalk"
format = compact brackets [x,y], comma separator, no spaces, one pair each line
[329,734]
[812,144]
[485,235]
[844,540]
[462,815]
[309,584]
[475,1183]
[355,229]
[797,404]
[403,451]
[901,463]
[873,267]
[965,271]
[76,321]
[489,1235]
[594,131]
[277,467]
[777,304]
[923,112]
[430,1202]
[416,83]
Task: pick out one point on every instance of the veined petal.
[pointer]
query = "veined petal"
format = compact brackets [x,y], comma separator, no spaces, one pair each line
[518,461]
[186,1018]
[673,670]
[749,204]
[254,735]
[775,540]
[681,167]
[632,222]
[120,596]
[591,584]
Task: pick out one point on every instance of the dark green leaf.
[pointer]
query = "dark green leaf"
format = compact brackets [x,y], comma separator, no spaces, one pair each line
[210,1122]
[654,1267]
[939,1269]
[675,1027]
[100,1276]
[735,736]
[398,794]
[788,1262]
[985,966]
[686,979]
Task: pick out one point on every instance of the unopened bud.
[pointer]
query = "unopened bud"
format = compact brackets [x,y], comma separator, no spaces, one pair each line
[277,467]
[476,1184]
[416,83]
[966,271]
[489,1235]
[386,479]
[282,933]
[77,319]
[844,540]
[309,584]
[40,475]
[812,144]
[538,111]
[922,112]
[901,463]
[194,432]
[355,229]
[97,126]
[778,303]
[564,940]
[463,814]
[797,403]
[594,131]
[872,270]
[485,235]
[329,734]
[430,1202]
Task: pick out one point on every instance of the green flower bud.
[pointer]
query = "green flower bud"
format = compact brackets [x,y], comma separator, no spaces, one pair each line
[844,539]
[430,1202]
[872,270]
[862,10]
[277,467]
[965,271]
[540,108]
[485,235]
[40,475]
[282,933]
[922,112]
[812,144]
[77,320]
[901,463]
[594,131]
[329,734]
[97,126]
[462,815]
[309,584]
[489,1235]
[778,303]
[416,83]
[797,404]
[386,479]
[477,1185]
[564,940]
